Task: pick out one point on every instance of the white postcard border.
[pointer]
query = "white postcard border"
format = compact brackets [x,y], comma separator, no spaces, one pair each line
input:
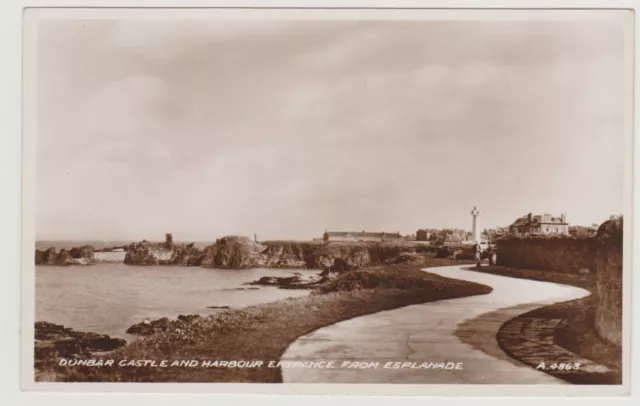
[28,238]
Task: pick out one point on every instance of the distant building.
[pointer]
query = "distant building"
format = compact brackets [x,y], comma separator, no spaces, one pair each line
[542,224]
[581,231]
[429,234]
[422,235]
[457,236]
[360,236]
[492,234]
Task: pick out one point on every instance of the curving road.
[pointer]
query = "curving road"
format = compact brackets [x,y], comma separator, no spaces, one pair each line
[455,330]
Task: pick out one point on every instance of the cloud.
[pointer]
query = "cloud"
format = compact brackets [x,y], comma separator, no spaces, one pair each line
[283,127]
[166,39]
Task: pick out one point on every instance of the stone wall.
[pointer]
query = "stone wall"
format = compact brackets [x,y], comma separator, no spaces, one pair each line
[557,253]
[608,318]
[601,254]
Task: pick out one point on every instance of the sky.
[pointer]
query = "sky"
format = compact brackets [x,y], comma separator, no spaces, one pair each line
[284,129]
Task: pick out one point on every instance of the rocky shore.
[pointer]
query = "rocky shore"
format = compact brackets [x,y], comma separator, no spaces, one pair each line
[263,332]
[54,341]
[149,327]
[296,281]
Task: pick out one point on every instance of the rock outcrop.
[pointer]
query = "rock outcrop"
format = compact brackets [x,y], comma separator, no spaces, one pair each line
[150,327]
[53,341]
[297,281]
[333,256]
[346,256]
[286,254]
[234,252]
[47,257]
[242,252]
[86,251]
[148,253]
[75,256]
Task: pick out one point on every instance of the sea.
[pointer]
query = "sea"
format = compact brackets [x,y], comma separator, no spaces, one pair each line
[109,298]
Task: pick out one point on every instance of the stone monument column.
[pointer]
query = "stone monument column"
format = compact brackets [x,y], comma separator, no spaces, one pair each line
[476,227]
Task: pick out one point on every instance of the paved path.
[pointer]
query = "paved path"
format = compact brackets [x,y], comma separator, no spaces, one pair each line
[455,330]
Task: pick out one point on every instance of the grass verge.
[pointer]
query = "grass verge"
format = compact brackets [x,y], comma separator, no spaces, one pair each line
[265,331]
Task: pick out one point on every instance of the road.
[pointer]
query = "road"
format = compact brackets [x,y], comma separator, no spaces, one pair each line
[459,331]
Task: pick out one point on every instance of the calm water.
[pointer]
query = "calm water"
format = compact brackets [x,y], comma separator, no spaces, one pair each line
[109,298]
[113,256]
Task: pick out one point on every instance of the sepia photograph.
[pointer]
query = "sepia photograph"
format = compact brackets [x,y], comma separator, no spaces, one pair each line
[306,197]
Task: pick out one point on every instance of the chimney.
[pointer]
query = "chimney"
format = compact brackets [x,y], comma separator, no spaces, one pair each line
[168,240]
[563,218]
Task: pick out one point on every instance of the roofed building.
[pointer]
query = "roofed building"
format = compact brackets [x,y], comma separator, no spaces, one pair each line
[582,231]
[542,224]
[423,235]
[360,236]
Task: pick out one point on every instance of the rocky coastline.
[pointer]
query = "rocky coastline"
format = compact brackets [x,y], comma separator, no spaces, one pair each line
[83,255]
[54,342]
[237,252]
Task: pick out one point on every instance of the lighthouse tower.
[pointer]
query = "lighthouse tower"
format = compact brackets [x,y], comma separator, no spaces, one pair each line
[475,213]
